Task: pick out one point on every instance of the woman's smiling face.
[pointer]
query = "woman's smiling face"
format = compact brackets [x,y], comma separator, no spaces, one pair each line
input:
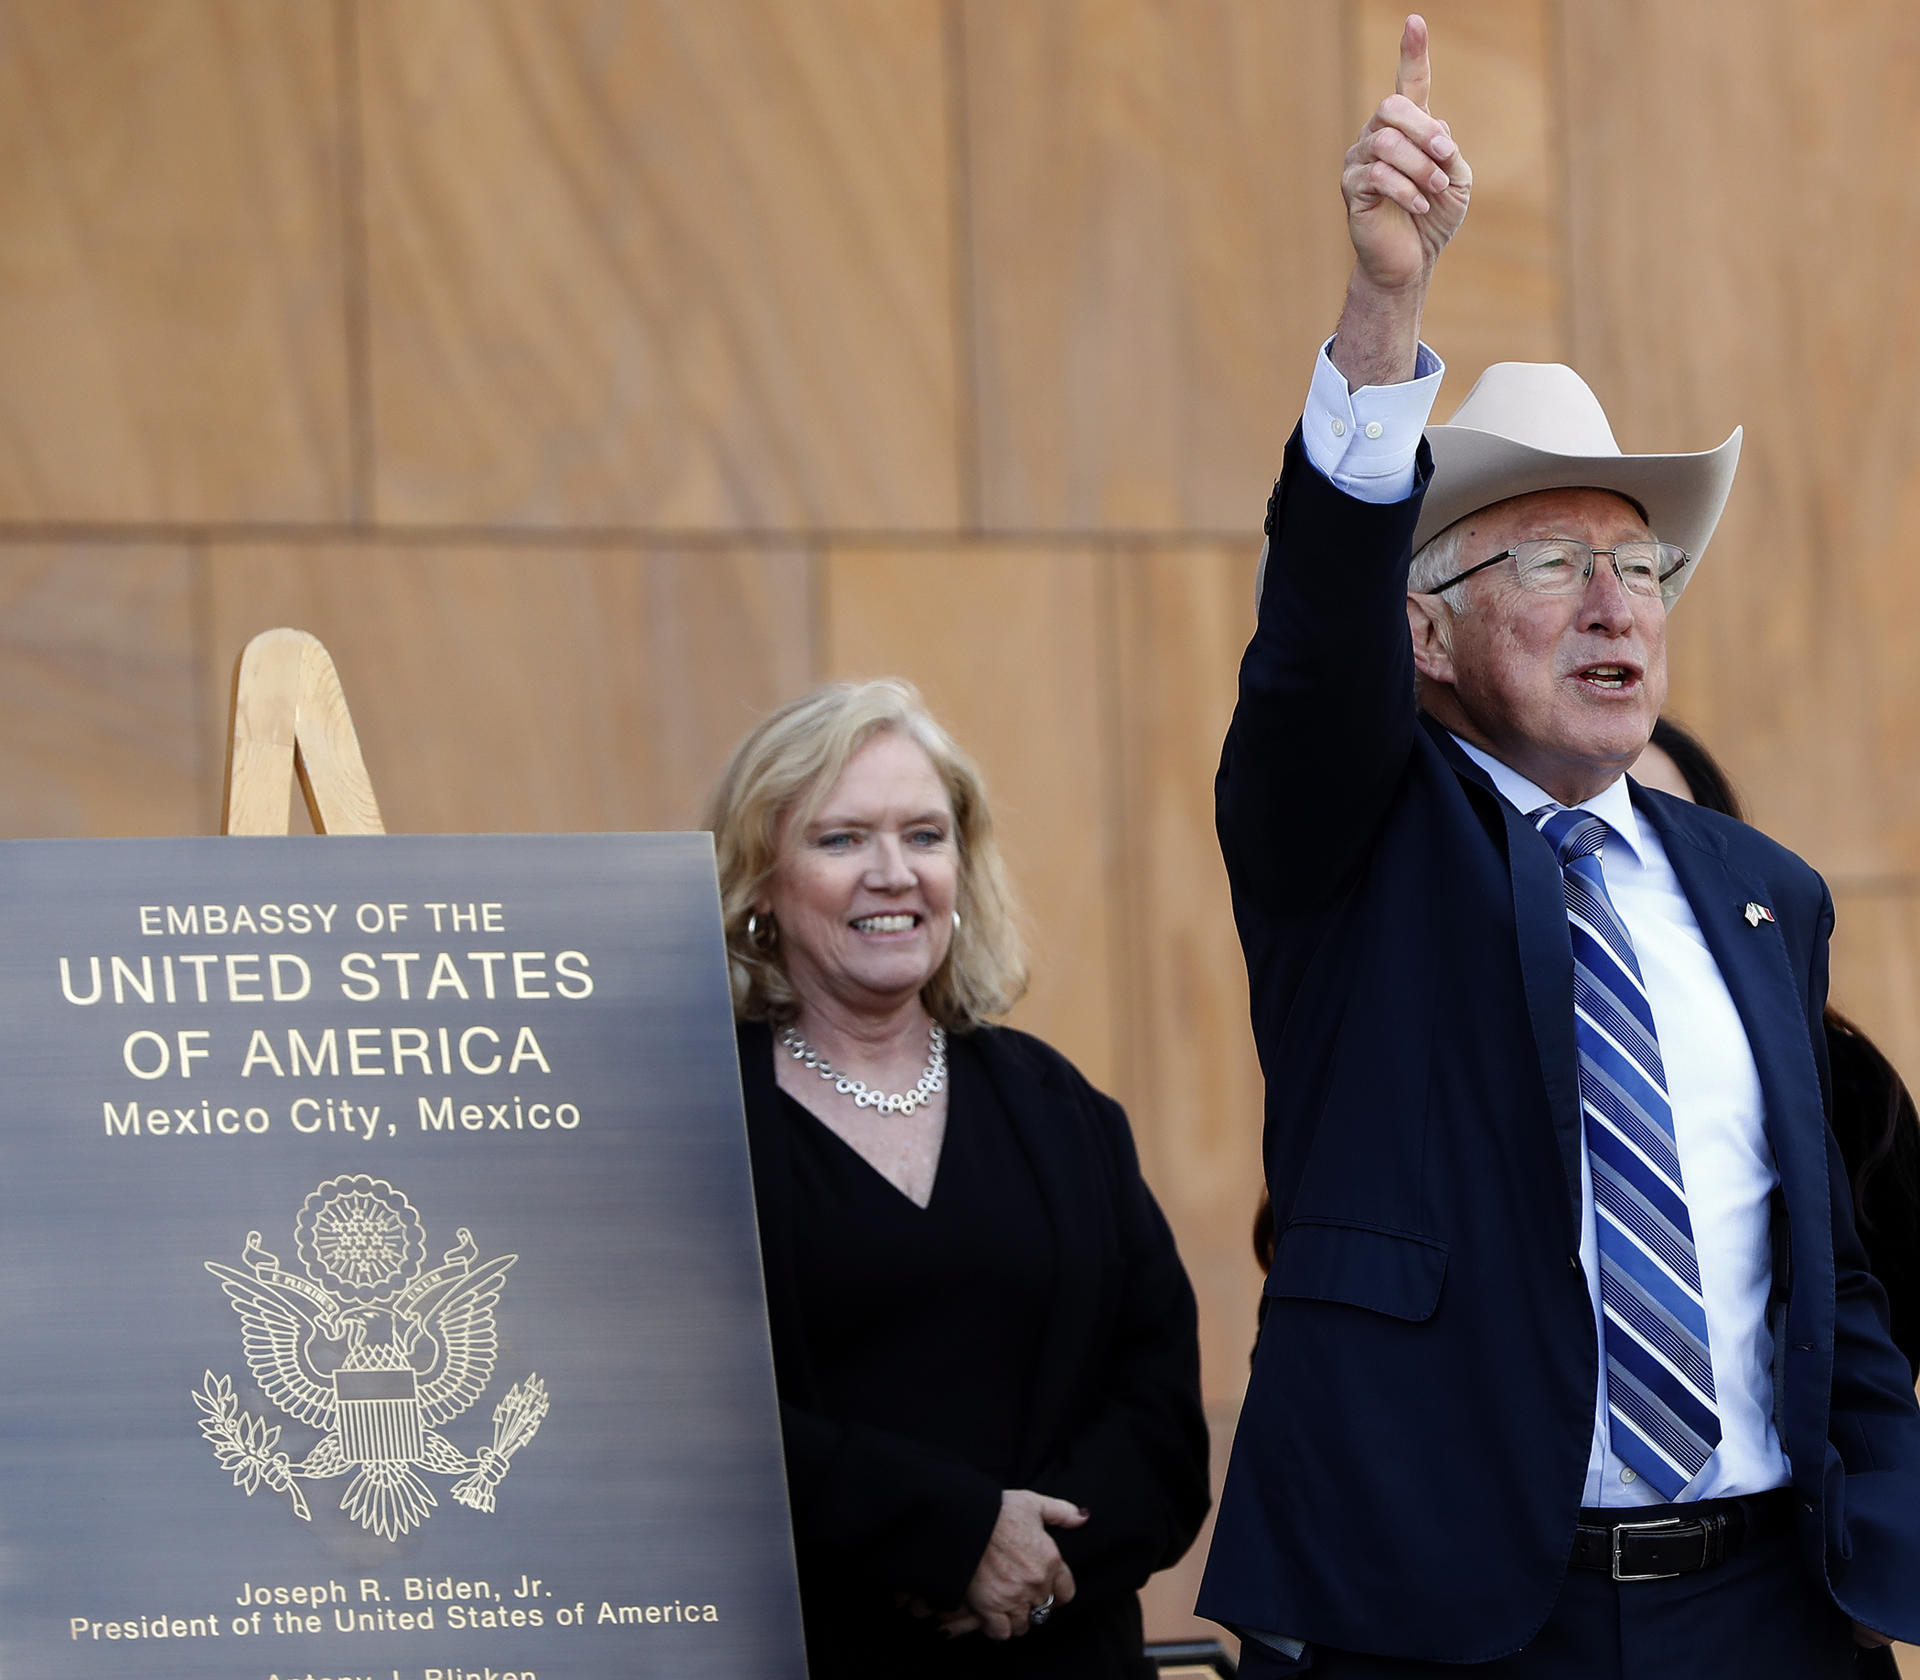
[864,892]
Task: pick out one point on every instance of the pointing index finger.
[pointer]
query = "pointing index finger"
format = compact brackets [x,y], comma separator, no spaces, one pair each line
[1414,78]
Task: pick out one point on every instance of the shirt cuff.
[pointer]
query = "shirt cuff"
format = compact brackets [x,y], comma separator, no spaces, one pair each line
[1365,441]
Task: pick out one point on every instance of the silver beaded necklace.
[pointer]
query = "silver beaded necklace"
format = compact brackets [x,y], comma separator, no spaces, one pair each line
[933,1079]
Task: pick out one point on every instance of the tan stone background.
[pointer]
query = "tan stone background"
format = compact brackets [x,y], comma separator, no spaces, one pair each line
[591,374]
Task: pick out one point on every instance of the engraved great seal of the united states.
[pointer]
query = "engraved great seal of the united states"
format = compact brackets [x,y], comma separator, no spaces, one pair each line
[376,1350]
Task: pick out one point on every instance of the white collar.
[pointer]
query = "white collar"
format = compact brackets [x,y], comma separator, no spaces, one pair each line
[1613,804]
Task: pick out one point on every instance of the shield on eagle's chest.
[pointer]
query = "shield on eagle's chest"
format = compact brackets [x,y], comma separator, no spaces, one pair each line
[378,1417]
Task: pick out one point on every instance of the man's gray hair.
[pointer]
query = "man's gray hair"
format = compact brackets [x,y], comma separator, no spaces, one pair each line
[1439,559]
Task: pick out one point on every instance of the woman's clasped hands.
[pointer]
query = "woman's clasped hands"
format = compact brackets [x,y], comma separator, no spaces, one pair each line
[1021,1577]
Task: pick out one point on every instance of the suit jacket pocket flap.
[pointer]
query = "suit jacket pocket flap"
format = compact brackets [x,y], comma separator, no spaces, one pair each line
[1391,1272]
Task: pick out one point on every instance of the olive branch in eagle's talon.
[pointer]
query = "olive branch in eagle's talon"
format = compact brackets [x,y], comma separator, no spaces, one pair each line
[245,1444]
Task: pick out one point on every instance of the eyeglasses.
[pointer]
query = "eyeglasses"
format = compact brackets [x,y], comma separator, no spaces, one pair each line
[1564,566]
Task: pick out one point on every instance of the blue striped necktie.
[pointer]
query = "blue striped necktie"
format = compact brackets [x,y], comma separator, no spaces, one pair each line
[1661,1414]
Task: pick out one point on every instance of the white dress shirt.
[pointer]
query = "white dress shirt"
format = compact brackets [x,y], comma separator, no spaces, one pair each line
[1726,1162]
[1365,440]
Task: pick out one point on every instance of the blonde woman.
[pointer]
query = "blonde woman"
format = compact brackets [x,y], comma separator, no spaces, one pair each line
[985,1341]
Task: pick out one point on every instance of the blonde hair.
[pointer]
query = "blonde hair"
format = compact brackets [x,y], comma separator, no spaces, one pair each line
[778,777]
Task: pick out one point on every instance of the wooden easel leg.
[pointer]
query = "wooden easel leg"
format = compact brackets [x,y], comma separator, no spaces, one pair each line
[290,716]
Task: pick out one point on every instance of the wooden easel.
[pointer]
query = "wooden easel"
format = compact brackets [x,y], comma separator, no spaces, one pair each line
[289,716]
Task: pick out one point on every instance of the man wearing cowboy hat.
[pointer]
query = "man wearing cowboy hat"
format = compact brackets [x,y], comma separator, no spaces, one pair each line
[1570,1364]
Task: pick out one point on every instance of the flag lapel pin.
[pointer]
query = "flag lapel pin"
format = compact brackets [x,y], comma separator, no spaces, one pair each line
[1756,914]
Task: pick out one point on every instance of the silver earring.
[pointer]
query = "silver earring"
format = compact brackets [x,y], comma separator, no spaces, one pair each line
[956,921]
[754,925]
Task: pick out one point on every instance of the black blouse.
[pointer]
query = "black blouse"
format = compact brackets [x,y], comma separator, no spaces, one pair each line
[927,1321]
[1031,1327]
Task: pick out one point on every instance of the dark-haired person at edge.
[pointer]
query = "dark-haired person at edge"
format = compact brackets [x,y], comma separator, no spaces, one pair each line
[1571,1364]
[985,1343]
[1873,1113]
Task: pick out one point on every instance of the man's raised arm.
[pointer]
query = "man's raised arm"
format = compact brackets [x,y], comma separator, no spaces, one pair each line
[1325,715]
[1406,187]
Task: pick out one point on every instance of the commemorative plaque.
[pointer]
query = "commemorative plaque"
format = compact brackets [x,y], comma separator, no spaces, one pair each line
[379,1287]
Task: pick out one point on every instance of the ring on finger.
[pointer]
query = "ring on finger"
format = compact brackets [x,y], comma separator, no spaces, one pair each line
[1041,1611]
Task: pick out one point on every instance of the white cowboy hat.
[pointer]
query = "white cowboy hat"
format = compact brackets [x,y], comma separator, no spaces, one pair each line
[1529,426]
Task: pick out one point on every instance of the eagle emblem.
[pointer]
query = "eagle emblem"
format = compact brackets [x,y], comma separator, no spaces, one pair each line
[374,1349]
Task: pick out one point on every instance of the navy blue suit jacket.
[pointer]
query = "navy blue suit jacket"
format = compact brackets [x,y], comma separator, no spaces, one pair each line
[1413,1446]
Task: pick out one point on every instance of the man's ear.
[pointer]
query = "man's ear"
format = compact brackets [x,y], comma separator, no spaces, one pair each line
[1430,623]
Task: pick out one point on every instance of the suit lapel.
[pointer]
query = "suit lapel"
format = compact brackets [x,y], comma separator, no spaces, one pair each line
[1753,961]
[1546,961]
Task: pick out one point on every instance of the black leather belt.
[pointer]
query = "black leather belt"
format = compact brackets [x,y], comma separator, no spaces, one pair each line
[1640,1550]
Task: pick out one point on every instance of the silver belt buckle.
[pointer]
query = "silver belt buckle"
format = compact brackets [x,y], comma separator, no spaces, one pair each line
[1644,1528]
